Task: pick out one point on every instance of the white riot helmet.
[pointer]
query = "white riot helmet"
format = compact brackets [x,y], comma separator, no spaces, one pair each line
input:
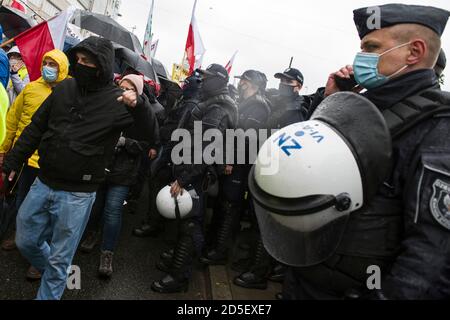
[167,205]
[310,176]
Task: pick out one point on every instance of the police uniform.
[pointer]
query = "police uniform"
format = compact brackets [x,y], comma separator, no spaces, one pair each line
[288,109]
[405,230]
[216,110]
[253,114]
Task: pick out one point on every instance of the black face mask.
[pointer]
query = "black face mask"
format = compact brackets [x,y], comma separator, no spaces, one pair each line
[85,76]
[213,86]
[287,90]
[242,89]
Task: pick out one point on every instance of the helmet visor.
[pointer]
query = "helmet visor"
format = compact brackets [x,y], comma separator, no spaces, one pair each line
[301,241]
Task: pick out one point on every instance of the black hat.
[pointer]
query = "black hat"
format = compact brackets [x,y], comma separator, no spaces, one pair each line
[441,63]
[259,79]
[215,70]
[291,74]
[392,14]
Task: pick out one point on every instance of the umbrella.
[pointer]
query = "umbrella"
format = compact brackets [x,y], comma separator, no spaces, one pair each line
[125,58]
[14,21]
[160,70]
[107,28]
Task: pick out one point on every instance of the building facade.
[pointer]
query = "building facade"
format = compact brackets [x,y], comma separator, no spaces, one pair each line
[49,8]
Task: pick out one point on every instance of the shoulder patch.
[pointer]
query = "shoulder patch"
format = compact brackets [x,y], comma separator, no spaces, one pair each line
[440,203]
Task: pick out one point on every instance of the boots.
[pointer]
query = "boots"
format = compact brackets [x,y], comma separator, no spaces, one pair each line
[9,244]
[177,280]
[278,273]
[33,274]
[152,230]
[218,255]
[256,277]
[106,260]
[91,240]
[165,264]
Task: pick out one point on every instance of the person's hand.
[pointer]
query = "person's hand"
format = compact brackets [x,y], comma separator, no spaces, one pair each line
[152,154]
[129,98]
[15,68]
[331,86]
[228,170]
[2,159]
[121,143]
[176,189]
[11,176]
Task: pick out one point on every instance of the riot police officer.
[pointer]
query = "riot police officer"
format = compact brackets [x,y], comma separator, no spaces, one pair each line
[404,230]
[161,169]
[254,112]
[216,110]
[288,106]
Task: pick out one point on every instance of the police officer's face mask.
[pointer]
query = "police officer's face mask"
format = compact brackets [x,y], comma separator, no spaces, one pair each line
[365,68]
[287,90]
[242,88]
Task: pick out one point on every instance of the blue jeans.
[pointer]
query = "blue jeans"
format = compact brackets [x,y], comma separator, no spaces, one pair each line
[55,217]
[112,215]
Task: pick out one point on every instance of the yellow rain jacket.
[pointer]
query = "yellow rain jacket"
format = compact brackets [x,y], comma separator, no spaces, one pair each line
[28,102]
[4,104]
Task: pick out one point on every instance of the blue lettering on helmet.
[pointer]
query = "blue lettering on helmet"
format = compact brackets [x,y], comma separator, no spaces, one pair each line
[282,140]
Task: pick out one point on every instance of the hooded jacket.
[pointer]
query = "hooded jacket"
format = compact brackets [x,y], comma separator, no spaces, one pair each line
[28,102]
[76,129]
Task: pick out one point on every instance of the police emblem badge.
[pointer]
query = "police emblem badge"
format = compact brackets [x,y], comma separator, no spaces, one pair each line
[440,203]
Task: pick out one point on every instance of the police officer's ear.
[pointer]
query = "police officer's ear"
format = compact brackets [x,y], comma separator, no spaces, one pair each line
[418,51]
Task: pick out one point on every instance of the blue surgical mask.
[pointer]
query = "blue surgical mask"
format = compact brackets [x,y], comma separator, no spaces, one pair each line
[365,68]
[49,74]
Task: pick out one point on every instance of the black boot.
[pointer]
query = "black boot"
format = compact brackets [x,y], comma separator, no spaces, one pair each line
[278,273]
[256,278]
[170,284]
[218,255]
[166,261]
[149,230]
[177,280]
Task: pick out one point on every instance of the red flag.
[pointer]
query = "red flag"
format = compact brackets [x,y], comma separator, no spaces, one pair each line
[37,41]
[18,6]
[229,65]
[195,49]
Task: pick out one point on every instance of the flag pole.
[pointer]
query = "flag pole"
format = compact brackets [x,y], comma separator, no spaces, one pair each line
[4,44]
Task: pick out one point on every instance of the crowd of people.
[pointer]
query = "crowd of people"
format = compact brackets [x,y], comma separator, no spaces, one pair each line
[81,142]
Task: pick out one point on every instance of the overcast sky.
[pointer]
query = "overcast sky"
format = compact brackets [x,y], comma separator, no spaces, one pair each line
[319,34]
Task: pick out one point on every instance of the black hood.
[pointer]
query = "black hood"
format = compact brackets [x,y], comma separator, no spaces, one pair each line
[102,50]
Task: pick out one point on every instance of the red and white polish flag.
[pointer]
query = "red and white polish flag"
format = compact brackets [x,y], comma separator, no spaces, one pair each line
[229,65]
[35,42]
[195,49]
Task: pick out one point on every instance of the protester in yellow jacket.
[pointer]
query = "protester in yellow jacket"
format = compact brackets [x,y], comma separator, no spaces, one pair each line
[26,104]
[4,104]
[55,69]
